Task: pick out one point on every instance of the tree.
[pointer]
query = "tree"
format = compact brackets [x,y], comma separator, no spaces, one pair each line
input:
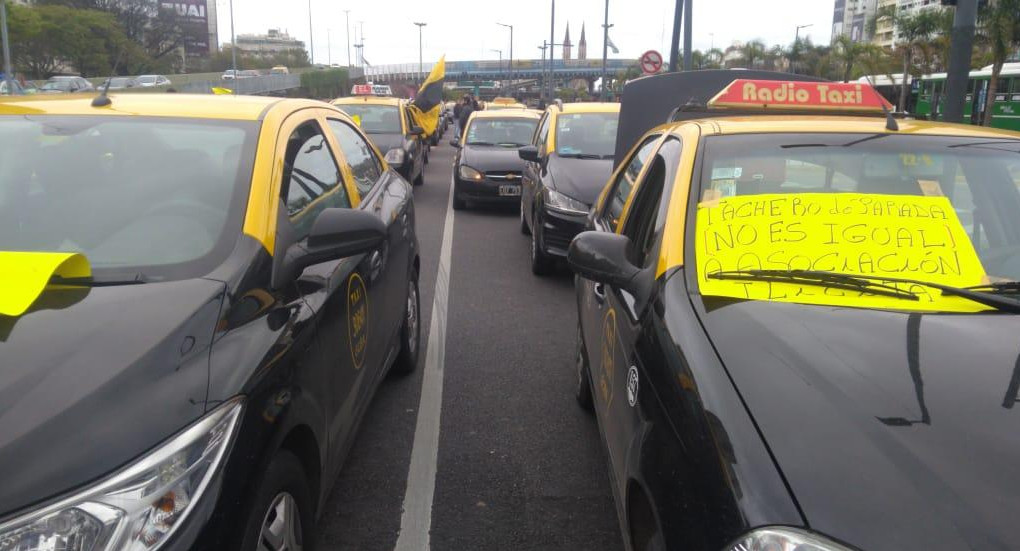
[714,58]
[1000,30]
[156,27]
[45,38]
[752,53]
[847,52]
[913,30]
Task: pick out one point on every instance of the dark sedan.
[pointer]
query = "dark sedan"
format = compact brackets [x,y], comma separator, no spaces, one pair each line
[187,353]
[568,162]
[487,168]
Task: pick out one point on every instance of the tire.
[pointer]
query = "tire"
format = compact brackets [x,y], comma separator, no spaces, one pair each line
[541,263]
[283,490]
[525,230]
[410,331]
[582,390]
[420,180]
[458,203]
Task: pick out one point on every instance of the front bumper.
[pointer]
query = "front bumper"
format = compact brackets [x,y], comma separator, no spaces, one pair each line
[559,229]
[486,191]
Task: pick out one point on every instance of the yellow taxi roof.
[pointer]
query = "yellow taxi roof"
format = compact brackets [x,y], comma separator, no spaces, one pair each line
[370,100]
[506,113]
[590,107]
[838,124]
[202,106]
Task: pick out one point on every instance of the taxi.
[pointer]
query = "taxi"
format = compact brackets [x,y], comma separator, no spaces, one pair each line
[201,295]
[567,164]
[499,104]
[389,126]
[798,320]
[486,167]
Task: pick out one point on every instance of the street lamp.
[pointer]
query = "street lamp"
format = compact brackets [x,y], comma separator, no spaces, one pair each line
[7,49]
[233,46]
[500,52]
[605,51]
[510,64]
[347,13]
[796,45]
[421,67]
[311,39]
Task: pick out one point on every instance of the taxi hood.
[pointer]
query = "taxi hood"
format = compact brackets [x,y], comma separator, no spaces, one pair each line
[894,430]
[92,378]
[492,158]
[581,179]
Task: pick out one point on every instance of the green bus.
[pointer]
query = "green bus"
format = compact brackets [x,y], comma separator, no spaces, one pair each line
[930,96]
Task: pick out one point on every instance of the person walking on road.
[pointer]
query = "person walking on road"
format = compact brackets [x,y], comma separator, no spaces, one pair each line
[457,109]
[470,106]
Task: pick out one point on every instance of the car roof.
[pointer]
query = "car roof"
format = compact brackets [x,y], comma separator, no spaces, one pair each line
[506,114]
[201,106]
[370,100]
[835,124]
[590,107]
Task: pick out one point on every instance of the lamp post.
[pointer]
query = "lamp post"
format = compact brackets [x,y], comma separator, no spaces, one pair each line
[347,14]
[510,64]
[796,45]
[7,48]
[311,39]
[605,51]
[500,52]
[552,52]
[233,46]
[421,66]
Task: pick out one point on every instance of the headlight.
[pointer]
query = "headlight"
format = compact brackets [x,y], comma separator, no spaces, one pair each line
[138,508]
[784,539]
[559,202]
[468,173]
[395,156]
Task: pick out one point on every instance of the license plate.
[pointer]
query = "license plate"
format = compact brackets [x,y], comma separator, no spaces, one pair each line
[510,190]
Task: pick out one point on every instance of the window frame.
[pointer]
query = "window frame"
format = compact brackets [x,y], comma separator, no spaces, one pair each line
[655,139]
[284,184]
[651,218]
[346,169]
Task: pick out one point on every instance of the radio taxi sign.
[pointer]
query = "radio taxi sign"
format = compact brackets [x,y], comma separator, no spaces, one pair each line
[821,96]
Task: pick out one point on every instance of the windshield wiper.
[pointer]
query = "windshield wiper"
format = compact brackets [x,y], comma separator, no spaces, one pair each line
[92,281]
[871,285]
[480,143]
[511,144]
[998,287]
[582,156]
[826,279]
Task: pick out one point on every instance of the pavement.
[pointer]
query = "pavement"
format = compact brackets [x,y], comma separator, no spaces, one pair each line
[517,465]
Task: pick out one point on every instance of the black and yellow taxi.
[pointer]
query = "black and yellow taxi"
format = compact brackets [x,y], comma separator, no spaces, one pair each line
[200,296]
[388,124]
[486,167]
[503,103]
[568,162]
[798,320]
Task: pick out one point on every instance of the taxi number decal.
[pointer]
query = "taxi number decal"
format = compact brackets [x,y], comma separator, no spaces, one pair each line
[357,319]
[605,384]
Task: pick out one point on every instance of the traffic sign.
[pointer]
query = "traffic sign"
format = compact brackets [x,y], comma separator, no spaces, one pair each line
[651,62]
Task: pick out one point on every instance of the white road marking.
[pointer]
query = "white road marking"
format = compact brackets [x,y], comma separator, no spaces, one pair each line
[416,520]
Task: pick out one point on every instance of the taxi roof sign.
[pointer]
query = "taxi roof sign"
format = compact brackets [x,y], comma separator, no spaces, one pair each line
[808,96]
[371,90]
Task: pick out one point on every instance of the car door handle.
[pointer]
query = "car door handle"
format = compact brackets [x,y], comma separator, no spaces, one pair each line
[375,263]
[600,293]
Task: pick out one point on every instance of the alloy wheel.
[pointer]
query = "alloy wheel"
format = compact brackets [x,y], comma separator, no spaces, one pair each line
[281,527]
[412,317]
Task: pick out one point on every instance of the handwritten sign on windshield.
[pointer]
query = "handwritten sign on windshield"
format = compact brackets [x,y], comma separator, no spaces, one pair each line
[878,236]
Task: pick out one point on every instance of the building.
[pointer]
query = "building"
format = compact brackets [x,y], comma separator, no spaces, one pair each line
[271,43]
[885,30]
[582,46]
[850,18]
[198,20]
[567,46]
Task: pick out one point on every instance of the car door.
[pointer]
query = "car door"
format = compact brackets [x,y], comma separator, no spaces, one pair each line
[531,180]
[619,365]
[606,218]
[339,293]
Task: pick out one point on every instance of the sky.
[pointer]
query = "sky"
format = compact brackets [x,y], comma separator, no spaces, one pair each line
[467,30]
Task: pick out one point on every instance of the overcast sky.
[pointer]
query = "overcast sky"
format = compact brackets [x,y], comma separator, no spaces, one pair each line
[466,30]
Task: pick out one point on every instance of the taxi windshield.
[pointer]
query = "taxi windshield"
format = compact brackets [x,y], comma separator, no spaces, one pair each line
[943,210]
[142,195]
[375,119]
[507,132]
[586,135]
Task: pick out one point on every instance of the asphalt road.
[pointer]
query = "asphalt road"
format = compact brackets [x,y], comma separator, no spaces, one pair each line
[519,465]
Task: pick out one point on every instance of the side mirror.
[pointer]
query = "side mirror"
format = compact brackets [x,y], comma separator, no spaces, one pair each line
[528,153]
[602,258]
[417,130]
[336,233]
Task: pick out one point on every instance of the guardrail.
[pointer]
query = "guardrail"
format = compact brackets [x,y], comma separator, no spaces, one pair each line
[253,86]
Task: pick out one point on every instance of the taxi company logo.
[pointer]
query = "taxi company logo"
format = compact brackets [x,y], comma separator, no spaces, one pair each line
[632,385]
[357,319]
[787,92]
[757,94]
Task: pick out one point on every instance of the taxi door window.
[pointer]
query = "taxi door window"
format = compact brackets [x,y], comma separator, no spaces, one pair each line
[624,184]
[365,166]
[647,216]
[311,178]
[543,133]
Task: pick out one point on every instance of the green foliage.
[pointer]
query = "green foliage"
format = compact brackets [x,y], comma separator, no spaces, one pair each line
[327,84]
[45,38]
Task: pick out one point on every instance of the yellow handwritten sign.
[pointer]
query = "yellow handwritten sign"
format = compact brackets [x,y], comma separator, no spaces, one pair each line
[893,236]
[356,119]
[24,276]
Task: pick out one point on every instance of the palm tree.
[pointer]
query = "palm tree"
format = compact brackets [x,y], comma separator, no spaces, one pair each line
[752,53]
[1000,28]
[847,52]
[913,29]
[715,58]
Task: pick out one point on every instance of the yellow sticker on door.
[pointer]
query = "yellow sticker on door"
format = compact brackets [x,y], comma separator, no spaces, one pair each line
[605,382]
[357,319]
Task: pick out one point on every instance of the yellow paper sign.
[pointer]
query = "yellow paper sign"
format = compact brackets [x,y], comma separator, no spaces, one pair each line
[894,236]
[221,91]
[24,276]
[356,119]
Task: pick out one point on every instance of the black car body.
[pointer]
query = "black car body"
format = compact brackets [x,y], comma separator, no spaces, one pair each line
[391,129]
[561,179]
[217,388]
[487,167]
[783,422]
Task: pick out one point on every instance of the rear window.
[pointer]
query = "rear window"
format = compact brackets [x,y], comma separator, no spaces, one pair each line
[586,135]
[509,132]
[153,195]
[375,119]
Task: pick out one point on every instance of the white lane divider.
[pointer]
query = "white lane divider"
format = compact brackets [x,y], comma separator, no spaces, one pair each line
[416,520]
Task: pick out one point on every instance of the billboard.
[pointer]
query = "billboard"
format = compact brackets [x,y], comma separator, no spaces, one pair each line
[193,16]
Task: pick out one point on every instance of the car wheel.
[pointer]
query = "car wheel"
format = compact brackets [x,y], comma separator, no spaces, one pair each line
[420,180]
[281,518]
[524,223]
[541,263]
[410,331]
[458,203]
[583,389]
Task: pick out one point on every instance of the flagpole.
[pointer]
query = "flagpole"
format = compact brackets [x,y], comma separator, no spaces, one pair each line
[605,51]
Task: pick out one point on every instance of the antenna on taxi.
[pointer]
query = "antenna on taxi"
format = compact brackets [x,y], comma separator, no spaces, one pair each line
[890,120]
[102,100]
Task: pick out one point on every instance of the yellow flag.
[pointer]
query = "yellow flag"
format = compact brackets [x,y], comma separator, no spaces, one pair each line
[425,107]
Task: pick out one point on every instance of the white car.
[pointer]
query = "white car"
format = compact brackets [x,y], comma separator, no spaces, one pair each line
[149,81]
